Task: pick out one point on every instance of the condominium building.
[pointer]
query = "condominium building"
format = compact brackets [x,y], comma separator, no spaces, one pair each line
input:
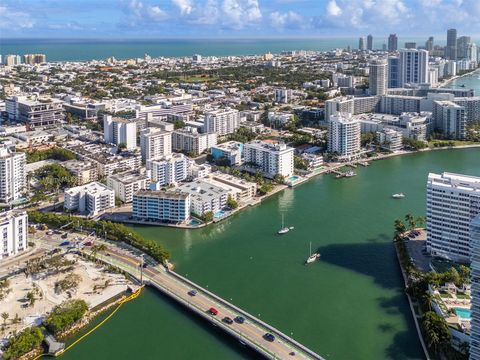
[84,171]
[378,73]
[450,119]
[413,66]
[170,169]
[89,199]
[126,184]
[120,131]
[475,288]
[344,136]
[13,177]
[231,151]
[370,42]
[155,142]
[189,140]
[390,139]
[351,105]
[472,107]
[241,190]
[269,157]
[161,206]
[453,200]
[34,111]
[205,197]
[33,59]
[392,42]
[12,60]
[13,232]
[222,121]
[451,48]
[282,95]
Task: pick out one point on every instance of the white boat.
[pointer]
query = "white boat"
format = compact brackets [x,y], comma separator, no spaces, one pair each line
[350,174]
[284,229]
[312,257]
[398,196]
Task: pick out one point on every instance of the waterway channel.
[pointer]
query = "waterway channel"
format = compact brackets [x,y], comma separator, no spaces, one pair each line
[348,305]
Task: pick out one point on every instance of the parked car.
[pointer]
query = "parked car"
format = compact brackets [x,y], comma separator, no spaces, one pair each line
[213,311]
[192,292]
[269,337]
[65,243]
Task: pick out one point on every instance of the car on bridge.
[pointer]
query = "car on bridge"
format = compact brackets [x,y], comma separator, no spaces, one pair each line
[227,320]
[240,319]
[192,293]
[213,311]
[269,337]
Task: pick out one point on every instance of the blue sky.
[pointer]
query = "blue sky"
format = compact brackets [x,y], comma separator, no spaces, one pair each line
[234,18]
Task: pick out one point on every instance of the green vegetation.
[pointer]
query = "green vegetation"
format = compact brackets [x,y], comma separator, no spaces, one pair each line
[4,288]
[65,315]
[53,264]
[300,163]
[414,144]
[178,124]
[54,153]
[53,177]
[70,282]
[436,332]
[369,138]
[231,202]
[112,231]
[243,135]
[265,188]
[207,217]
[23,342]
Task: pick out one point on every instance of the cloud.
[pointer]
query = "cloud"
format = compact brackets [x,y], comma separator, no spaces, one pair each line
[228,14]
[288,19]
[333,9]
[185,6]
[138,13]
[15,19]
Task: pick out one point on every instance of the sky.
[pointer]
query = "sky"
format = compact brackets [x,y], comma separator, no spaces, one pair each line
[235,18]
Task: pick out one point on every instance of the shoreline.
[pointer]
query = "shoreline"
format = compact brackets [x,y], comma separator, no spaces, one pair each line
[444,83]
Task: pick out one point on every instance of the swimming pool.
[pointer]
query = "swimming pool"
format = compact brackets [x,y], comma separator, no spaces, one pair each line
[293,178]
[463,313]
[219,214]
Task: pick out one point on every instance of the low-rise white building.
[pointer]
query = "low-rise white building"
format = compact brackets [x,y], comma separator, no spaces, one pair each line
[390,139]
[126,184]
[161,206]
[205,197]
[90,199]
[269,157]
[13,232]
[232,151]
[169,169]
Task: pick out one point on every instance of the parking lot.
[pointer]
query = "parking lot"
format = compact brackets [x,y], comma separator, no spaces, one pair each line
[416,248]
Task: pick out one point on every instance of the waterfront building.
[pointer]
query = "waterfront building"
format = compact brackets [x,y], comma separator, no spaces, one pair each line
[90,199]
[155,142]
[450,119]
[242,190]
[169,169]
[475,289]
[120,131]
[413,66]
[451,48]
[462,46]
[34,111]
[84,171]
[398,104]
[162,206]
[472,107]
[344,136]
[433,76]
[472,53]
[392,42]
[390,139]
[231,151]
[12,60]
[189,140]
[222,121]
[33,59]
[126,184]
[13,177]
[282,95]
[14,232]
[453,200]
[378,77]
[205,197]
[361,44]
[270,157]
[393,72]
[370,42]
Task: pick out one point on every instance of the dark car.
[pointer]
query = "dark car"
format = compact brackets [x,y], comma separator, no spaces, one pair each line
[65,243]
[240,319]
[192,293]
[227,320]
[269,337]
[145,265]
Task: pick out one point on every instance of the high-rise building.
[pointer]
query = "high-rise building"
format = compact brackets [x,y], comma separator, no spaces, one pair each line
[189,140]
[12,60]
[392,42]
[472,52]
[361,44]
[14,233]
[451,48]
[168,169]
[89,199]
[120,131]
[393,74]
[462,46]
[270,158]
[378,73]
[33,59]
[370,42]
[413,67]
[222,121]
[475,289]
[429,44]
[282,95]
[155,142]
[344,135]
[450,119]
[453,200]
[13,177]
[126,184]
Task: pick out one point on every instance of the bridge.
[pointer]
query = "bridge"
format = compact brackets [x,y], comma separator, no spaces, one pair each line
[250,333]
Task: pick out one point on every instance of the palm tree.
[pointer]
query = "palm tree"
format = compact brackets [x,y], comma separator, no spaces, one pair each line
[427,300]
[399,226]
[410,219]
[5,316]
[31,298]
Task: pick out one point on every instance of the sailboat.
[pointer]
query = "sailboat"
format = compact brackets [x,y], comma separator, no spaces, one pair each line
[312,257]
[284,229]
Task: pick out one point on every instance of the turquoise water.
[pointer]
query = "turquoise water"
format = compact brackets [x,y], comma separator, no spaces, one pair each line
[219,214]
[293,178]
[88,49]
[471,81]
[463,313]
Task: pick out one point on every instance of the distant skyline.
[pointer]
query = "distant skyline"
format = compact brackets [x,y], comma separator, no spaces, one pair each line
[235,18]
